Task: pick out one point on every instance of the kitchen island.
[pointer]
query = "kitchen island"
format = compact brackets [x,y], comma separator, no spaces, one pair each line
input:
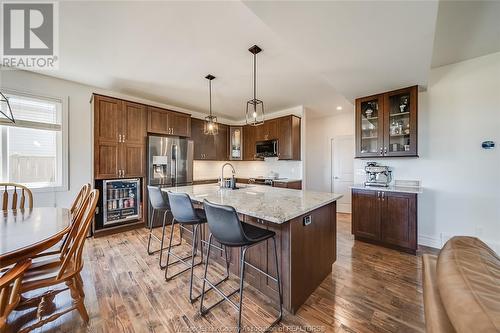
[305,226]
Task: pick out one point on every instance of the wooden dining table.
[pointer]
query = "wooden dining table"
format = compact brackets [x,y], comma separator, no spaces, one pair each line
[27,232]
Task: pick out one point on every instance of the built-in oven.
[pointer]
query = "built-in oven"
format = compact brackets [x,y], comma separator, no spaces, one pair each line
[268,148]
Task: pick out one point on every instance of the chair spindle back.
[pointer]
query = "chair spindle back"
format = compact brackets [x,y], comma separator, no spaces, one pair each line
[20,194]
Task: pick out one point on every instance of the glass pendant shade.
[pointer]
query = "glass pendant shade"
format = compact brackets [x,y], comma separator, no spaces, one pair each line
[210,127]
[255,112]
[255,107]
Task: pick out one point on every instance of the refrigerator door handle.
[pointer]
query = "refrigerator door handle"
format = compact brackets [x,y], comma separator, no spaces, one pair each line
[174,165]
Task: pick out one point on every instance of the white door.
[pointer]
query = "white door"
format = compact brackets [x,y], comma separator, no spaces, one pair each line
[343,170]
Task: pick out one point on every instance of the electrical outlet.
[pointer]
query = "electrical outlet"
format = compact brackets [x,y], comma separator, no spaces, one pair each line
[307,220]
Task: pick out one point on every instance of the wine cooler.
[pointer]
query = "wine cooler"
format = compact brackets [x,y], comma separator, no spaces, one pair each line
[121,202]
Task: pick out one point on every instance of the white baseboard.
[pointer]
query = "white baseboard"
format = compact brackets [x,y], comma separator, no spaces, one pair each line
[430,241]
[438,241]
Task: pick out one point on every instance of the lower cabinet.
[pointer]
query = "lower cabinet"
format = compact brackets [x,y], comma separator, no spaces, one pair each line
[294,185]
[386,218]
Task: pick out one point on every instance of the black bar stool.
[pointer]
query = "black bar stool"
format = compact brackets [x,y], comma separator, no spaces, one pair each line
[228,230]
[159,205]
[186,215]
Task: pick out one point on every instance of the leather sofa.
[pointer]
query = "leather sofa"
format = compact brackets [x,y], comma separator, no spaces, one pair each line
[462,288]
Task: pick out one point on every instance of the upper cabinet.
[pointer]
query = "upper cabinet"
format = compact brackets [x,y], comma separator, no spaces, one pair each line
[288,138]
[209,147]
[284,129]
[161,121]
[386,124]
[120,138]
[249,142]
[267,131]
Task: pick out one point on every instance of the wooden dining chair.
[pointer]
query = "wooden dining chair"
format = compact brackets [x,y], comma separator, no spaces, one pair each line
[10,286]
[76,212]
[63,269]
[80,198]
[19,195]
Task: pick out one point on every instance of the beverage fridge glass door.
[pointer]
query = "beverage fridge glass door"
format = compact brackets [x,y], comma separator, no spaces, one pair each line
[122,201]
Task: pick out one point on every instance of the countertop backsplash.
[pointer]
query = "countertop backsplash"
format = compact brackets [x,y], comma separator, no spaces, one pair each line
[248,169]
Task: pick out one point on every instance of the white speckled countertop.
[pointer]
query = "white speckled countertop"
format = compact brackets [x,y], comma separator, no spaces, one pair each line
[390,188]
[272,204]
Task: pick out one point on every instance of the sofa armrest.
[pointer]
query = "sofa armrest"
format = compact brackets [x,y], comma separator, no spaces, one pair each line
[436,319]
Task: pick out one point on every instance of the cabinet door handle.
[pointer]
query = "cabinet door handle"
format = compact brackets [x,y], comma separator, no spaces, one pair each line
[119,138]
[383,196]
[385,150]
[123,138]
[381,151]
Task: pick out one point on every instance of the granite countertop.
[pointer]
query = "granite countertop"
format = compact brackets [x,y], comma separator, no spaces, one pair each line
[390,188]
[272,204]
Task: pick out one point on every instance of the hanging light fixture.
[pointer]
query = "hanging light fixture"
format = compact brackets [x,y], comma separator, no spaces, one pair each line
[255,107]
[5,108]
[211,127]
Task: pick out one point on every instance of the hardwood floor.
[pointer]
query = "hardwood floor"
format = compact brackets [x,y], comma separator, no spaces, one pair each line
[371,289]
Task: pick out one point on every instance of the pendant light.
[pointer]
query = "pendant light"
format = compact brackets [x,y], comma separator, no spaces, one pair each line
[5,108]
[255,107]
[211,127]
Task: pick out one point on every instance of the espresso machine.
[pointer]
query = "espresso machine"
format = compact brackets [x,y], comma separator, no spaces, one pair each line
[377,175]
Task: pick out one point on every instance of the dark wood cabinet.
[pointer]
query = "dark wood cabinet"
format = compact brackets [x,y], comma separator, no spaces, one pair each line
[285,129]
[289,138]
[249,142]
[366,214]
[386,124]
[166,122]
[295,185]
[399,219]
[267,131]
[222,143]
[120,136]
[209,147]
[385,218]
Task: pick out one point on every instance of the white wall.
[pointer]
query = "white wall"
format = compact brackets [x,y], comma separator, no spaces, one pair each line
[461,181]
[319,132]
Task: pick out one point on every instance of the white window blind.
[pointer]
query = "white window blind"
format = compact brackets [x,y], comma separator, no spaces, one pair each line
[33,149]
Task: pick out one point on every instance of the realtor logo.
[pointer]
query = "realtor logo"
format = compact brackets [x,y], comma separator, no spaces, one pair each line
[29,36]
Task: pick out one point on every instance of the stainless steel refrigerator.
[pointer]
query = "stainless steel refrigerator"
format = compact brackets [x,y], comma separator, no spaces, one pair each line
[170,162]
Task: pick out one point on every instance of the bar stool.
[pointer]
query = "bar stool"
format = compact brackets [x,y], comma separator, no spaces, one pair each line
[159,205]
[228,230]
[186,215]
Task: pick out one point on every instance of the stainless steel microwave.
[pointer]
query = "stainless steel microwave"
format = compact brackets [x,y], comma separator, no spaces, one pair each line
[268,148]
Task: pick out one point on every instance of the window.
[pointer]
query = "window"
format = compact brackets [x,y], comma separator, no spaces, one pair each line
[33,150]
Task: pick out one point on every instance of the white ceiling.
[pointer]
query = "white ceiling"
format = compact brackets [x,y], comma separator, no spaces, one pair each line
[316,54]
[465,30]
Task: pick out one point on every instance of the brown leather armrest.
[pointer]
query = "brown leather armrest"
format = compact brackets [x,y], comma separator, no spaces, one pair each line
[436,319]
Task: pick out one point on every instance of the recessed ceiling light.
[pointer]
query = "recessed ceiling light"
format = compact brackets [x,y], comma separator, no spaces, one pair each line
[339,108]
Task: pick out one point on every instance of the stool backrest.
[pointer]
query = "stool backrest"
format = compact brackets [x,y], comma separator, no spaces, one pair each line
[181,207]
[156,198]
[224,223]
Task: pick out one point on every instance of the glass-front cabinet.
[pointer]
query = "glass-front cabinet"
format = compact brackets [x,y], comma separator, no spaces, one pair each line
[386,124]
[369,119]
[236,143]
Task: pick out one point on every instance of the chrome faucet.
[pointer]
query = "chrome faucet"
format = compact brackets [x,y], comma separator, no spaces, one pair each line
[222,173]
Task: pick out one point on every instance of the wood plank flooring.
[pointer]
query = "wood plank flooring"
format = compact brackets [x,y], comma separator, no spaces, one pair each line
[371,289]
